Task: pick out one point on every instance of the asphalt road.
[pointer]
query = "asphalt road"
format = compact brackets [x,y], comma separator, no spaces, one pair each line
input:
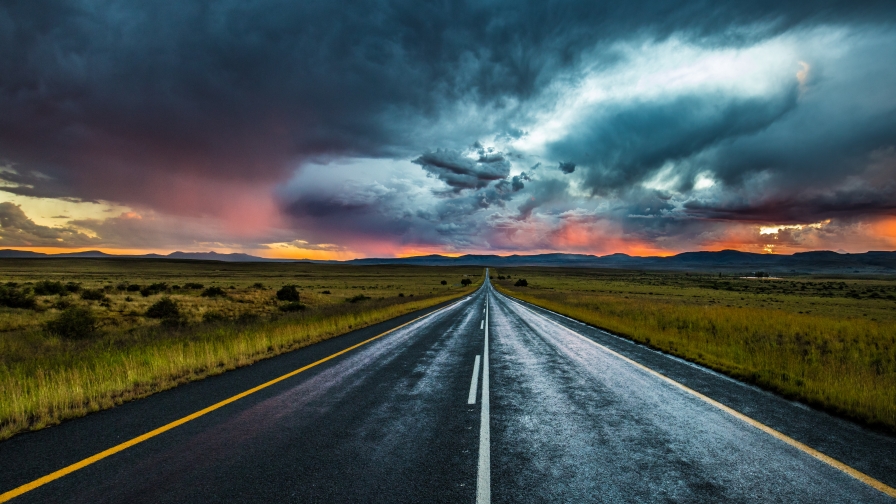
[560,412]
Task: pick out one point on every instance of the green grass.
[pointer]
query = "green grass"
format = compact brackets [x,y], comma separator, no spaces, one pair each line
[45,379]
[828,342]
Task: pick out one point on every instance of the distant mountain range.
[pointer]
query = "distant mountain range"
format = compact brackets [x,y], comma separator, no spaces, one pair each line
[723,261]
[96,254]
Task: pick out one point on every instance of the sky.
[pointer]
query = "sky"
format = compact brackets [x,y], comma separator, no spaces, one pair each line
[336,130]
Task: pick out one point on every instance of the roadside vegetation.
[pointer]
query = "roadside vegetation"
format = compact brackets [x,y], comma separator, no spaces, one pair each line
[828,342]
[81,335]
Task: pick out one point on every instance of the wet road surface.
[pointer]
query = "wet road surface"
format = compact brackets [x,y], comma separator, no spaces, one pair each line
[487,399]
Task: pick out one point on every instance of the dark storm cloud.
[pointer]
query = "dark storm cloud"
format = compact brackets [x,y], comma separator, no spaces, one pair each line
[179,106]
[567,167]
[788,208]
[107,96]
[623,144]
[460,171]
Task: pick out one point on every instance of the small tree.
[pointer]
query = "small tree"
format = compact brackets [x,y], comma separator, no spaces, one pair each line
[466,281]
[521,283]
[444,282]
[288,293]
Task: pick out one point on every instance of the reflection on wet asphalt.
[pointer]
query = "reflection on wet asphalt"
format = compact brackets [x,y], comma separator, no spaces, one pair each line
[575,423]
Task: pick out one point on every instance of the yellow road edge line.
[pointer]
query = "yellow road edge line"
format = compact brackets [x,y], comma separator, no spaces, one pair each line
[836,464]
[27,487]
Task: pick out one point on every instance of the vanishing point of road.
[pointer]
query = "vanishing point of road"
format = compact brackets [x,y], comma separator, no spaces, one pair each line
[485,399]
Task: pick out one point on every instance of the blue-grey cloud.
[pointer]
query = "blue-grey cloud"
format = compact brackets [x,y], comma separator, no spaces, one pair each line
[112,100]
[567,166]
[460,171]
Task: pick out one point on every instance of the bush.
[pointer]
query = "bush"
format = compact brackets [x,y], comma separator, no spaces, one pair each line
[444,282]
[154,289]
[122,287]
[288,293]
[193,286]
[133,288]
[466,281]
[325,292]
[92,295]
[359,297]
[72,286]
[74,323]
[292,307]
[13,297]
[48,288]
[521,283]
[258,286]
[213,292]
[164,308]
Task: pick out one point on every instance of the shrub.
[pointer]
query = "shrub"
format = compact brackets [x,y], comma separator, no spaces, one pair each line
[72,286]
[163,309]
[193,286]
[122,287]
[74,323]
[359,297]
[521,283]
[325,292]
[288,293]
[154,289]
[13,297]
[401,294]
[48,288]
[291,307]
[466,281]
[133,288]
[92,295]
[213,292]
[258,286]
[444,282]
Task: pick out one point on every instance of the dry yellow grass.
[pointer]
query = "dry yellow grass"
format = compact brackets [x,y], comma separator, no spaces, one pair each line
[834,359]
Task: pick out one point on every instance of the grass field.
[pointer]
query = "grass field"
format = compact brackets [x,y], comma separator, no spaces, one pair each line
[227,315]
[828,342]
